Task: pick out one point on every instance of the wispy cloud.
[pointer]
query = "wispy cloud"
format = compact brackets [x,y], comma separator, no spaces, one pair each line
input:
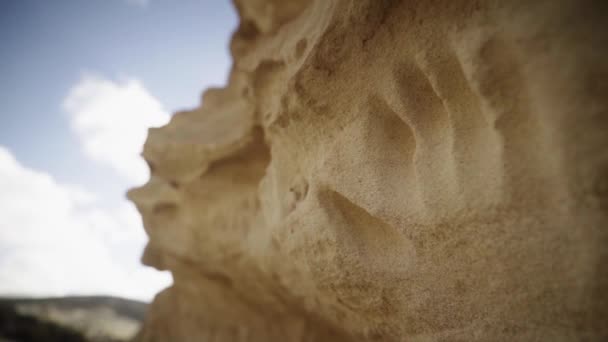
[56,240]
[111,120]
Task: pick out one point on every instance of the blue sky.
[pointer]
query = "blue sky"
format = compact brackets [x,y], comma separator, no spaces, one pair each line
[81,82]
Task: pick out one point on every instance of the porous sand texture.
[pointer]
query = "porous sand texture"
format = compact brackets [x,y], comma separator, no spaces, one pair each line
[389,171]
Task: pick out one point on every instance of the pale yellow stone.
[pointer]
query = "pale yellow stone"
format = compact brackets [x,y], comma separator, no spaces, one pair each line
[390,171]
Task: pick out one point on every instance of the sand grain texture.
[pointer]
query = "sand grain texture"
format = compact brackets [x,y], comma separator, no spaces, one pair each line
[389,171]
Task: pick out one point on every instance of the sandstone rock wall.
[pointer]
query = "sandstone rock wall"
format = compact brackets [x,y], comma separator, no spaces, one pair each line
[389,171]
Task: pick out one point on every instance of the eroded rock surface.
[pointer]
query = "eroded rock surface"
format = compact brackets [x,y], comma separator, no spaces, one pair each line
[389,171]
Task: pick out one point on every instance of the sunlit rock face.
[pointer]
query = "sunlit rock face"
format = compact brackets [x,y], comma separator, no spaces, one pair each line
[389,171]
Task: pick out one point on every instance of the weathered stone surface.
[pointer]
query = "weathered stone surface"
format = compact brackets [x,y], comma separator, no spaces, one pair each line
[391,171]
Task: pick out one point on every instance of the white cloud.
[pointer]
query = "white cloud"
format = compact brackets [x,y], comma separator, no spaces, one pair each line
[56,240]
[111,120]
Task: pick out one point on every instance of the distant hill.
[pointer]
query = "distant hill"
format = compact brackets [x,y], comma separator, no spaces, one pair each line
[95,319]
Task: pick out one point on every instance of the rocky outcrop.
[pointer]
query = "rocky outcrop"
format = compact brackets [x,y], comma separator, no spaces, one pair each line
[389,171]
[65,319]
